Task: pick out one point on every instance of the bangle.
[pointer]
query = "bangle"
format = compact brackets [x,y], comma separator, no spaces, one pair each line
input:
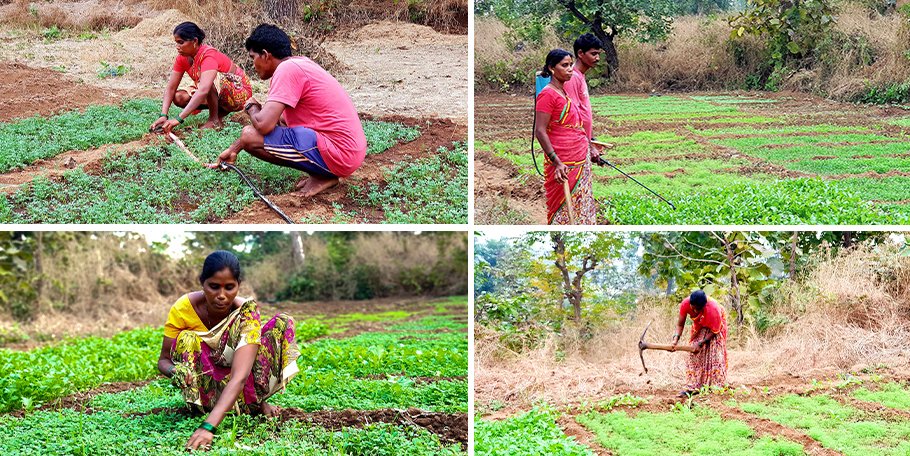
[179,119]
[676,336]
[170,372]
[208,427]
[163,115]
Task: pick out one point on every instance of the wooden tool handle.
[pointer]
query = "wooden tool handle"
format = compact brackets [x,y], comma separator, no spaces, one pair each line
[569,207]
[668,347]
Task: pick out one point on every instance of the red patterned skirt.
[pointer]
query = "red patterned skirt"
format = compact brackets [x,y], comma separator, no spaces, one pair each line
[708,367]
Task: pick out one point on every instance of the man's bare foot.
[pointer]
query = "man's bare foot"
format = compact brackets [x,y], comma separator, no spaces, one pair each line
[301,183]
[314,185]
[270,410]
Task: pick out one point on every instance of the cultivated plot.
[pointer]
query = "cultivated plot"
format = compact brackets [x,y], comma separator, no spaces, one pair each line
[720,158]
[389,381]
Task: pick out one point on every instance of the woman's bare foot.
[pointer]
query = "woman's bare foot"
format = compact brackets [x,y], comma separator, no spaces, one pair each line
[301,183]
[270,410]
[213,123]
[315,185]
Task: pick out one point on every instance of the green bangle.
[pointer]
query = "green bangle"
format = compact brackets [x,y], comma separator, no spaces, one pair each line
[163,115]
[179,119]
[208,427]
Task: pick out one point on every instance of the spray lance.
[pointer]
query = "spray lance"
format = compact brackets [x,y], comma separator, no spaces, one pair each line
[539,83]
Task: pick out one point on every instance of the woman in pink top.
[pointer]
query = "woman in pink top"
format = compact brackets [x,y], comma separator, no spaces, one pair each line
[561,134]
[320,134]
[204,64]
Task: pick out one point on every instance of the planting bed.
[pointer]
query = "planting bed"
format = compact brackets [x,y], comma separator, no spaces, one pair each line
[399,389]
[721,159]
[98,164]
[852,414]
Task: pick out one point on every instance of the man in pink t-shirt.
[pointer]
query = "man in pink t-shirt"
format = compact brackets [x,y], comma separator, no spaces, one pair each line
[308,121]
[587,53]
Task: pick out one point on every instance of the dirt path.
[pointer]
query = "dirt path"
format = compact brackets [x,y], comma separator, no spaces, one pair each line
[582,435]
[326,207]
[27,92]
[499,188]
[405,69]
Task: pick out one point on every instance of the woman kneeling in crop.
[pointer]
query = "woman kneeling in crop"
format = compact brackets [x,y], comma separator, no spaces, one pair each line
[219,85]
[219,354]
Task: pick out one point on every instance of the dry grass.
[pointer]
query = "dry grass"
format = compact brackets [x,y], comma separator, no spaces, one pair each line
[850,312]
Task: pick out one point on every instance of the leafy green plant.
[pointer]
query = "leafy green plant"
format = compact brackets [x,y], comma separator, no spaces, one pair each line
[531,433]
[109,70]
[426,190]
[383,135]
[687,430]
[835,425]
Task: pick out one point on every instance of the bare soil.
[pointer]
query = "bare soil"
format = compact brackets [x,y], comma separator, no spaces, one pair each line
[450,427]
[27,92]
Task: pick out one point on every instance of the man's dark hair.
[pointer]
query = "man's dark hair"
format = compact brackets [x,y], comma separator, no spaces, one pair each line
[189,31]
[587,42]
[268,37]
[553,58]
[698,299]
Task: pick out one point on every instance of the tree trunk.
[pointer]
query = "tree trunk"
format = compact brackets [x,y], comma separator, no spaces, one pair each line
[610,55]
[297,249]
[671,282]
[737,303]
[281,11]
[846,239]
[793,246]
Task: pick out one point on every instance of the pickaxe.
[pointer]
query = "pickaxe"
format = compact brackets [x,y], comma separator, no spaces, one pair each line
[642,346]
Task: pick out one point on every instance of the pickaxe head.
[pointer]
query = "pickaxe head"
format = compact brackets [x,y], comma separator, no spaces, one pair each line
[642,346]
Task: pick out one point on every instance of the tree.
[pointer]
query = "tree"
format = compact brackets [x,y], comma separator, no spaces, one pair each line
[281,11]
[574,254]
[739,265]
[792,28]
[647,20]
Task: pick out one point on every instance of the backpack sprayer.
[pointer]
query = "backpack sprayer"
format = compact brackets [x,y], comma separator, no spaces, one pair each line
[540,82]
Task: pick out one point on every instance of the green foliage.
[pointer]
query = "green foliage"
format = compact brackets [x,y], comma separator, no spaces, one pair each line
[30,378]
[310,329]
[892,394]
[24,141]
[157,184]
[835,425]
[792,29]
[109,433]
[432,355]
[889,93]
[685,431]
[426,190]
[788,202]
[531,433]
[109,70]
[332,391]
[384,135]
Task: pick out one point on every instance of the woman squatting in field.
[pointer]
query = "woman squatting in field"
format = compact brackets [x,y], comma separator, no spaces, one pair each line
[204,64]
[707,365]
[561,133]
[218,352]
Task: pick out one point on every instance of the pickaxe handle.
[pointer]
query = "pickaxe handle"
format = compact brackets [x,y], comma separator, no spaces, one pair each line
[666,347]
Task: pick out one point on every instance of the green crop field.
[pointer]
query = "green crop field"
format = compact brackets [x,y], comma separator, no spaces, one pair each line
[732,159]
[860,416]
[150,181]
[412,367]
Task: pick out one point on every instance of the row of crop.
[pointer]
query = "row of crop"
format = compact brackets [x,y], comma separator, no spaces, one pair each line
[30,378]
[158,184]
[110,433]
[697,429]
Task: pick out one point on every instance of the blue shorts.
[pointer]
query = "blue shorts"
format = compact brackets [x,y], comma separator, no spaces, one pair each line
[296,146]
